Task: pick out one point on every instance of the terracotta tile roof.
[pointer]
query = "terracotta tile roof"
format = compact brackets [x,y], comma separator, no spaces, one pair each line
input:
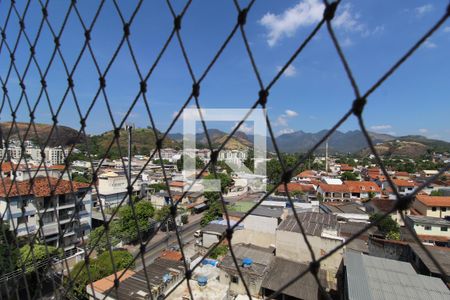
[307,174]
[296,187]
[401,182]
[362,186]
[172,255]
[403,174]
[40,187]
[340,188]
[434,200]
[177,184]
[345,167]
[8,166]
[107,283]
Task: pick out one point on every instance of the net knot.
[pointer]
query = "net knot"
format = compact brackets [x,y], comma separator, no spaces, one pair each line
[87,35]
[177,22]
[314,267]
[229,234]
[55,120]
[44,12]
[83,123]
[173,211]
[5,89]
[12,56]
[263,94]
[22,25]
[142,248]
[117,132]
[116,282]
[159,144]
[196,90]
[188,274]
[242,18]
[286,177]
[70,82]
[13,115]
[143,86]
[130,189]
[404,203]
[126,29]
[43,83]
[102,81]
[31,116]
[22,85]
[57,43]
[32,50]
[330,10]
[3,35]
[214,156]
[358,106]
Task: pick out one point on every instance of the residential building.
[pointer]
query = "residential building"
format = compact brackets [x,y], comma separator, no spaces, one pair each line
[432,206]
[296,188]
[112,188]
[282,271]
[404,187]
[254,264]
[334,192]
[162,274]
[430,229]
[369,277]
[348,211]
[236,157]
[210,235]
[31,206]
[322,232]
[54,156]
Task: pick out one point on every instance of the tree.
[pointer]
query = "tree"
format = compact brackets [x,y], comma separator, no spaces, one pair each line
[158,187]
[220,250]
[98,268]
[214,210]
[98,240]
[184,219]
[437,193]
[9,253]
[387,226]
[39,256]
[199,164]
[250,160]
[225,180]
[126,224]
[349,176]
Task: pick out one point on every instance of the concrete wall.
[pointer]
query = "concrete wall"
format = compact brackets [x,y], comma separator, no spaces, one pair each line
[209,239]
[261,224]
[434,230]
[254,237]
[291,245]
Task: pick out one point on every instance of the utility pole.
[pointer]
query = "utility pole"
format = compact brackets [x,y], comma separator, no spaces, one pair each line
[326,156]
[129,129]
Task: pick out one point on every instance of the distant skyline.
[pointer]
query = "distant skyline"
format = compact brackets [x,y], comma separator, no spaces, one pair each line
[311,96]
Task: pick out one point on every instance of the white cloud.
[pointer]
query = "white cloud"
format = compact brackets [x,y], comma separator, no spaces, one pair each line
[347,42]
[424,9]
[381,127]
[244,128]
[291,113]
[285,131]
[290,71]
[447,29]
[423,130]
[430,45]
[282,119]
[306,13]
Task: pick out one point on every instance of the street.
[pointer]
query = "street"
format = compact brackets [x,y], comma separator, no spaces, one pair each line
[156,247]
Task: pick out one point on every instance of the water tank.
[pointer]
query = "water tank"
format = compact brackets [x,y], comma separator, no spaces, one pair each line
[202,280]
[247,262]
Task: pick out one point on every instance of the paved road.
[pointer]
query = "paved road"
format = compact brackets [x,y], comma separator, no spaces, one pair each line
[154,249]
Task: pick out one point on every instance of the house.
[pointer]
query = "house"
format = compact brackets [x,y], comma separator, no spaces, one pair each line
[102,286]
[346,168]
[334,192]
[430,229]
[282,271]
[296,188]
[259,227]
[370,277]
[402,175]
[404,187]
[322,232]
[254,264]
[379,205]
[306,175]
[428,173]
[27,206]
[162,275]
[363,189]
[432,206]
[211,234]
[348,211]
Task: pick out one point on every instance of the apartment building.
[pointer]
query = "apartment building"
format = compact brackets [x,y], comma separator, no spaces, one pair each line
[32,206]
[432,206]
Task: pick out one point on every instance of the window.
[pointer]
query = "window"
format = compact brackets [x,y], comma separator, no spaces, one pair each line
[22,220]
[443,208]
[427,227]
[433,208]
[235,279]
[444,228]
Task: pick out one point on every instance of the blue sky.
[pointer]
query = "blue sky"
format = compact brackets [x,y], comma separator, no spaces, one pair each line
[312,95]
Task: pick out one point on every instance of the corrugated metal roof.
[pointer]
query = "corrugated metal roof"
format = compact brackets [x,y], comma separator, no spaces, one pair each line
[375,278]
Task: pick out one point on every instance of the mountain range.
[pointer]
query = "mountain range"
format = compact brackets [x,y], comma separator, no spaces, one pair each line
[299,141]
